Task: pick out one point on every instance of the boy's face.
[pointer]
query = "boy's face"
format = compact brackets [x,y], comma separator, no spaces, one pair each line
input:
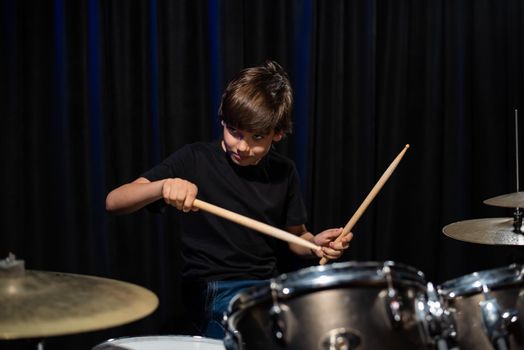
[247,148]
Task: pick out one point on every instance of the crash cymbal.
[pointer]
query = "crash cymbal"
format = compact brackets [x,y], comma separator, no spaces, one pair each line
[38,304]
[485,231]
[510,200]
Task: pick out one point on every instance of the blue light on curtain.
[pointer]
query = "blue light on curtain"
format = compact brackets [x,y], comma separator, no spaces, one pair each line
[59,80]
[60,124]
[215,62]
[95,132]
[302,63]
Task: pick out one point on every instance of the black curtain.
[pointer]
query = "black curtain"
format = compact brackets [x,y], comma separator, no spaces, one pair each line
[96,92]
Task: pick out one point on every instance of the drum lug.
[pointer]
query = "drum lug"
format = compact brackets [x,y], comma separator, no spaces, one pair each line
[232,338]
[438,322]
[496,321]
[340,339]
[276,313]
[232,341]
[393,302]
[394,305]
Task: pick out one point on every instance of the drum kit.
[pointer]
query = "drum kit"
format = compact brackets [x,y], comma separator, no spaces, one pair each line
[340,306]
[386,305]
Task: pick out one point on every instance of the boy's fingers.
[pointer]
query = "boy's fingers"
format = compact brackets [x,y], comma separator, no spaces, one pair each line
[336,232]
[339,245]
[331,254]
[180,194]
[188,203]
[344,241]
[330,235]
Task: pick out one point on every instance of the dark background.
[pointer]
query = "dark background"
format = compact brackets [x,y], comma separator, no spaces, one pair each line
[96,92]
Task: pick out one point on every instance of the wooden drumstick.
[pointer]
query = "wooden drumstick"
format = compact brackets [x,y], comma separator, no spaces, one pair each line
[369,199]
[254,224]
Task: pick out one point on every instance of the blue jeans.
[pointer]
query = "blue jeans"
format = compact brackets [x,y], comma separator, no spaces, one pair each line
[208,302]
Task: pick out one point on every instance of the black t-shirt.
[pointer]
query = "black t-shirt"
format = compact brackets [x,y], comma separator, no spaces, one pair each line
[217,249]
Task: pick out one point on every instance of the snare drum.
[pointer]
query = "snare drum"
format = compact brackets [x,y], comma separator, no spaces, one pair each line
[164,342]
[364,305]
[486,306]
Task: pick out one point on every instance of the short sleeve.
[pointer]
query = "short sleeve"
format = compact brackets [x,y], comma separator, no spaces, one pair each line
[178,164]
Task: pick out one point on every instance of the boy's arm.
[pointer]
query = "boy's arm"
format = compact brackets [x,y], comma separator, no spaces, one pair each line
[325,239]
[302,232]
[132,196]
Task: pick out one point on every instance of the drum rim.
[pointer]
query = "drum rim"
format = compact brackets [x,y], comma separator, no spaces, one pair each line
[315,278]
[472,283]
[189,338]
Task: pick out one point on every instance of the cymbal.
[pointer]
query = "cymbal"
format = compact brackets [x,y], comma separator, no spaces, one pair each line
[40,304]
[510,200]
[485,231]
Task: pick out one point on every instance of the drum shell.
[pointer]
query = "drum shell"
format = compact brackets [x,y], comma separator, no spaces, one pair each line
[505,286]
[357,309]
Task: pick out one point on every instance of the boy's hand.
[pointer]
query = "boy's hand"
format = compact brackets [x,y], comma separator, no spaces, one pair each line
[331,249]
[180,193]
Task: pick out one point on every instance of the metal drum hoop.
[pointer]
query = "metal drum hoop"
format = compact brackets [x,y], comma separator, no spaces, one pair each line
[116,343]
[475,282]
[328,276]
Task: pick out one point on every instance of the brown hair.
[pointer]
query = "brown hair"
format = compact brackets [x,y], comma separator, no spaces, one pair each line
[259,99]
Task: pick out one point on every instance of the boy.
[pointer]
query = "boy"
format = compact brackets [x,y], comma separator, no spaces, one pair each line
[241,173]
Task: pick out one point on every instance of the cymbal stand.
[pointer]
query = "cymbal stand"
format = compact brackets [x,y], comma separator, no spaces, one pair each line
[517,214]
[517,221]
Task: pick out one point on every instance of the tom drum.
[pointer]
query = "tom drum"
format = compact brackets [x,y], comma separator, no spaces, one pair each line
[487,307]
[363,305]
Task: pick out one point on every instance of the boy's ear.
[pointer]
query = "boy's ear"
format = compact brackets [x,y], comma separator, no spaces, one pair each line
[277,137]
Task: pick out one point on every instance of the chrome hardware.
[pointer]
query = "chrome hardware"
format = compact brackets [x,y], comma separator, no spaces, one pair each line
[393,302]
[232,338]
[496,321]
[276,313]
[340,339]
[438,322]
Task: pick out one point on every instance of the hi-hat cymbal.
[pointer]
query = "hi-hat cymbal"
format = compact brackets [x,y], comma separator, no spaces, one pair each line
[40,304]
[510,200]
[485,231]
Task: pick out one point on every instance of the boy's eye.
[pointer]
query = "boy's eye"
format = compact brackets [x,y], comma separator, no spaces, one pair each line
[237,133]
[231,130]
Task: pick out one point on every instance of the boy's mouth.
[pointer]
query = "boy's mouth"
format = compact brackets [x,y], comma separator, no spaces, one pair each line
[240,159]
[234,155]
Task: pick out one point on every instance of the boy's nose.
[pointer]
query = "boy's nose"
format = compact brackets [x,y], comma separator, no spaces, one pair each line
[242,146]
